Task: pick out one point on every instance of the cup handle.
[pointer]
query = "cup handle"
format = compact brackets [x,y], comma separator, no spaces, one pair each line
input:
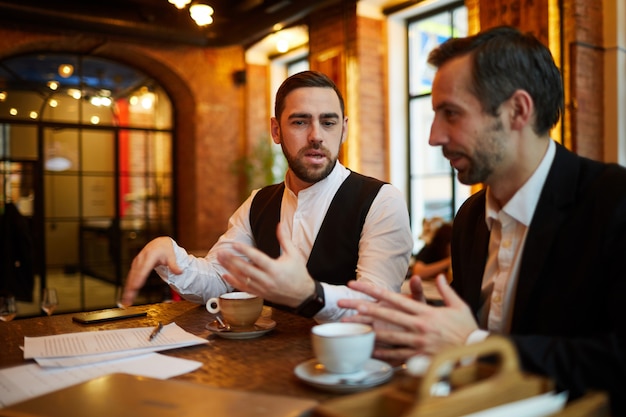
[213,306]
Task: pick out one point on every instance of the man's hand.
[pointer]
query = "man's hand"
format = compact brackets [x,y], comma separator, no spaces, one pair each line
[405,327]
[417,291]
[284,280]
[159,251]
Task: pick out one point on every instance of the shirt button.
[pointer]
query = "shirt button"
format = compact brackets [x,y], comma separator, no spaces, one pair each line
[506,244]
[496,299]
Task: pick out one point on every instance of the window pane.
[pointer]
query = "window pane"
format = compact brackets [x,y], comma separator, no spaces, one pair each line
[61,149]
[61,196]
[425,159]
[97,151]
[459,22]
[434,190]
[98,195]
[66,254]
[62,107]
[95,113]
[17,185]
[424,36]
[432,197]
[21,105]
[18,141]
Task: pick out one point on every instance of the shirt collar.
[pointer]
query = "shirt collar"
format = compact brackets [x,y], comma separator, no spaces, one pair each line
[522,205]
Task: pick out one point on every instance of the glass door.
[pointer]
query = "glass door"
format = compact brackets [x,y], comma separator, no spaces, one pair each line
[86,155]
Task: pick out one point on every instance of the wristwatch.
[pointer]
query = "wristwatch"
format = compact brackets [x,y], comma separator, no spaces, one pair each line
[312,305]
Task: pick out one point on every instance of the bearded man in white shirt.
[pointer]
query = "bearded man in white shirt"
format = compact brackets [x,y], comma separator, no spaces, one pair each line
[297,244]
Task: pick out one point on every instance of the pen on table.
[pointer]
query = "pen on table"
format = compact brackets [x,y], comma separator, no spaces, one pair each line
[155,332]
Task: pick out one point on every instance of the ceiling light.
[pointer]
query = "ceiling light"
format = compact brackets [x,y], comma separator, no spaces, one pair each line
[74,93]
[201,13]
[282,45]
[53,85]
[180,4]
[3,95]
[66,70]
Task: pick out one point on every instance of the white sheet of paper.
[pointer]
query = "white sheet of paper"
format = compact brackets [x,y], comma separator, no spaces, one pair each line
[107,341]
[537,406]
[87,359]
[22,382]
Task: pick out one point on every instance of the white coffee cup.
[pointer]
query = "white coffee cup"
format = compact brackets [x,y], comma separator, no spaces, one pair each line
[239,309]
[343,347]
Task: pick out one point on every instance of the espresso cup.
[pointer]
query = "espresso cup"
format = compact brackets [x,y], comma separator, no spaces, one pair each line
[239,309]
[343,347]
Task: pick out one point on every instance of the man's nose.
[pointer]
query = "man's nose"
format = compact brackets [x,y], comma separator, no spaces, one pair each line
[315,132]
[438,135]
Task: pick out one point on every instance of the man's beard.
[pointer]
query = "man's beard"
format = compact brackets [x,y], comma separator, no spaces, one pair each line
[304,172]
[486,157]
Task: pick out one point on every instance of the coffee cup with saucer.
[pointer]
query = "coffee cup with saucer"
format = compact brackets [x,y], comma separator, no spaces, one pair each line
[343,361]
[238,316]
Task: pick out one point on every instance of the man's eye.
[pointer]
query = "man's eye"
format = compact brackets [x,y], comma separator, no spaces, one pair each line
[329,123]
[450,113]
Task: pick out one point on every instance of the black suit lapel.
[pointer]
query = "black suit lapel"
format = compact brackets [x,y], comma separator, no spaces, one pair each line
[557,194]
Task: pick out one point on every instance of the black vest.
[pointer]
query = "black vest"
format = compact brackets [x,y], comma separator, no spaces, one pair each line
[335,253]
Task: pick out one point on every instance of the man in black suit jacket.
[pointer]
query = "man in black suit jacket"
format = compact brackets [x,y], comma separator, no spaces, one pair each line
[539,254]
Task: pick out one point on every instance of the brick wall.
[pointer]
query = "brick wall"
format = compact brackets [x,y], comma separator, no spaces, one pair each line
[351,50]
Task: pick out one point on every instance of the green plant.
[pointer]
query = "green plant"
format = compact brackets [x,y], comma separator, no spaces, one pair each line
[264,164]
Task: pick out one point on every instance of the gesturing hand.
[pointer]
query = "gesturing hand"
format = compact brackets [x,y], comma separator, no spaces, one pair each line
[284,280]
[159,251]
[406,327]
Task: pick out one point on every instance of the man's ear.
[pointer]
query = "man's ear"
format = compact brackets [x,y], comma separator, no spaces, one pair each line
[275,130]
[521,109]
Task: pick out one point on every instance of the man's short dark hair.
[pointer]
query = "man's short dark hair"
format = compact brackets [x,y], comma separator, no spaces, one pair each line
[505,60]
[300,80]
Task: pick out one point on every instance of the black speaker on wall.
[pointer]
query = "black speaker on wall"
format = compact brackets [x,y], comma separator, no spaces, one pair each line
[239,77]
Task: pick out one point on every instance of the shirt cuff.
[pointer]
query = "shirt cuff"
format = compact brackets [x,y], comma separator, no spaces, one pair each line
[476,336]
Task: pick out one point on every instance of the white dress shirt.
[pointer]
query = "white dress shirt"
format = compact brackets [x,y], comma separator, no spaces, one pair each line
[384,247]
[509,227]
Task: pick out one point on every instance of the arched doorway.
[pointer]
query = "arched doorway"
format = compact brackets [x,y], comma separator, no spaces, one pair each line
[86,158]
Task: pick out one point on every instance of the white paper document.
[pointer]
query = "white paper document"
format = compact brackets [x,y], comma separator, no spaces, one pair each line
[80,348]
[538,406]
[22,382]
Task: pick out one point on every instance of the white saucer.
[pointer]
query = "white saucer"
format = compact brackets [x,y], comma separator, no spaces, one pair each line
[259,328]
[315,375]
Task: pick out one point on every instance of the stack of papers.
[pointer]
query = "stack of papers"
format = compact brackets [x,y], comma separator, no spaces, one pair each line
[68,359]
[90,347]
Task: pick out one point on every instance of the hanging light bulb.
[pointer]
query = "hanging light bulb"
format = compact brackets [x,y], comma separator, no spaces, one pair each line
[66,70]
[180,4]
[282,45]
[201,14]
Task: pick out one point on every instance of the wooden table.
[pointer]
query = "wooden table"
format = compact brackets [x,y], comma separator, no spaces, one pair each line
[263,364]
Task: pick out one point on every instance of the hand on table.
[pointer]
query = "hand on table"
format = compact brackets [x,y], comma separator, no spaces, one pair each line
[159,251]
[406,327]
[284,280]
